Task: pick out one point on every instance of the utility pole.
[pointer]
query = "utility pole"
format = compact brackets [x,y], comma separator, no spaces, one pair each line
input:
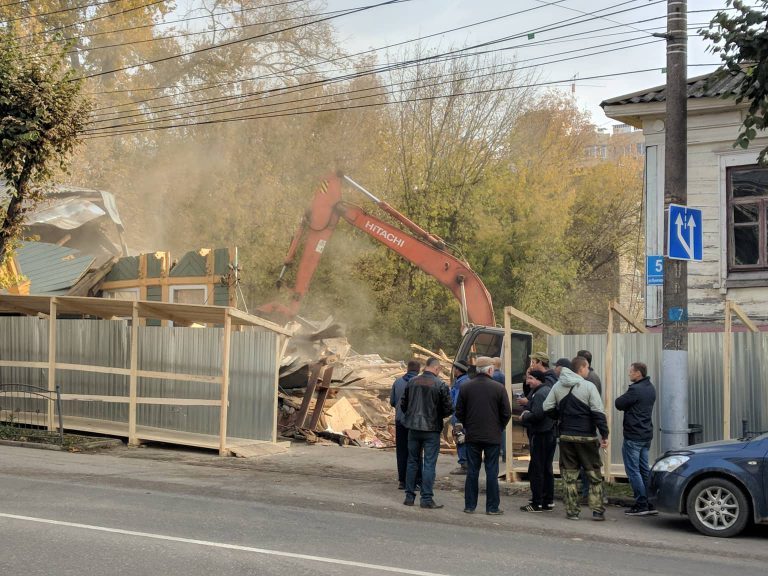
[674,359]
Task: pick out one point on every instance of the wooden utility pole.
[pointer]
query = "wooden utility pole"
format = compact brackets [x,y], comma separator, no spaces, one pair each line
[674,360]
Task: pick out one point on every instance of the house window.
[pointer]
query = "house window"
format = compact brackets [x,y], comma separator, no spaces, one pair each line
[747,218]
[196,294]
[122,294]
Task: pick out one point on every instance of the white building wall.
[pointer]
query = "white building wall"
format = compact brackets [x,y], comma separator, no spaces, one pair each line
[710,152]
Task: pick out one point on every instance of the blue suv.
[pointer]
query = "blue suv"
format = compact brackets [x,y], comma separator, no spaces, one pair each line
[720,486]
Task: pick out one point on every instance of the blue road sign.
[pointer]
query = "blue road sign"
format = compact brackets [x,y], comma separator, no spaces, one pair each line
[654,271]
[685,240]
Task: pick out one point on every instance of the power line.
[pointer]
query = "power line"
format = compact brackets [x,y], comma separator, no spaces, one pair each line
[80,50]
[370,105]
[153,24]
[281,91]
[274,92]
[302,100]
[326,61]
[96,18]
[546,28]
[240,40]
[60,11]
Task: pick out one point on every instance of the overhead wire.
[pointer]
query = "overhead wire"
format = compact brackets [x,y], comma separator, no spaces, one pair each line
[280,91]
[59,11]
[371,105]
[546,28]
[345,57]
[240,40]
[80,50]
[342,94]
[153,24]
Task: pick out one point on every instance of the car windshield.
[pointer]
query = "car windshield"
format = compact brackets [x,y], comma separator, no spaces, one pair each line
[762,436]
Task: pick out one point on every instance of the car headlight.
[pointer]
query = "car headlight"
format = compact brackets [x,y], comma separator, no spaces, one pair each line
[670,463]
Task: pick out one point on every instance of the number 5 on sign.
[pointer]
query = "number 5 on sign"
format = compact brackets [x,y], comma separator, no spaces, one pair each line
[654,271]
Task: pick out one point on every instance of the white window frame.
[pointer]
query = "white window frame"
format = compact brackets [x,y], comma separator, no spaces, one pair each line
[135,291]
[177,287]
[729,160]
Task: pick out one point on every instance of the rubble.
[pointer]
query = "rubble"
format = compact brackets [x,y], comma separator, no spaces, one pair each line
[356,409]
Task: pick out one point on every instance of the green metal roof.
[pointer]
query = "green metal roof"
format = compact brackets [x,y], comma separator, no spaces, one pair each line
[51,269]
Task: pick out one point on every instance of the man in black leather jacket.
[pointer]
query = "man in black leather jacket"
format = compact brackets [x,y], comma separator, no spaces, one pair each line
[426,402]
[541,436]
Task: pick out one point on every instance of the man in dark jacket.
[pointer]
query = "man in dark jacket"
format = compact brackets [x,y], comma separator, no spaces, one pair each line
[541,439]
[426,402]
[575,402]
[637,404]
[401,432]
[483,409]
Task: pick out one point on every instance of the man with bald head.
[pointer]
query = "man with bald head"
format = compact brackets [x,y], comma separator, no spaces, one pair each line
[483,410]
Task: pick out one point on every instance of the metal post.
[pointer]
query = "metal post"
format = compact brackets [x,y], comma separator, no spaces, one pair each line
[674,360]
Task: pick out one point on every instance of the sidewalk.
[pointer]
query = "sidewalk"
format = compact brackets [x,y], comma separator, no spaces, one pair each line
[364,481]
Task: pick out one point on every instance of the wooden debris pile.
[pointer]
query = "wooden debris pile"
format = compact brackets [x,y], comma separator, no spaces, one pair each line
[357,409]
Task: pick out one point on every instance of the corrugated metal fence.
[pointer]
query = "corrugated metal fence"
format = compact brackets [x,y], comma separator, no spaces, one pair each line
[749,378]
[252,401]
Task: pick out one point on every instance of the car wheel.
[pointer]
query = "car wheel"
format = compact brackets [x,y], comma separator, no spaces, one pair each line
[717,507]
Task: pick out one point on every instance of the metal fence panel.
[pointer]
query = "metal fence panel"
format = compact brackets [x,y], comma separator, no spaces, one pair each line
[252,389]
[749,378]
[253,372]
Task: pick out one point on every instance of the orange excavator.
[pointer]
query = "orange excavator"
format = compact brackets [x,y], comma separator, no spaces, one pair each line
[421,248]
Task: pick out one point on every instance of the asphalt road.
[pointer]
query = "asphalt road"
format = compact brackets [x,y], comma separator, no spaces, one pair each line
[105,514]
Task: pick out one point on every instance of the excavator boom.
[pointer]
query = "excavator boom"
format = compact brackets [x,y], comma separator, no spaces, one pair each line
[416,245]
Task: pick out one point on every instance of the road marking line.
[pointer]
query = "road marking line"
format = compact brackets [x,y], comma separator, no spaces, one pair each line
[222,545]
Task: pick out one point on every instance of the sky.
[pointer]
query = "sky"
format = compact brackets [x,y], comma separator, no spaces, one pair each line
[419,18]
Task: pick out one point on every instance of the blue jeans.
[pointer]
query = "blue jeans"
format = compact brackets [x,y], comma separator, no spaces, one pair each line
[461,452]
[635,455]
[429,443]
[476,454]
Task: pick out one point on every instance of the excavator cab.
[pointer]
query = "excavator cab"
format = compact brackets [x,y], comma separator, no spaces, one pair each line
[489,341]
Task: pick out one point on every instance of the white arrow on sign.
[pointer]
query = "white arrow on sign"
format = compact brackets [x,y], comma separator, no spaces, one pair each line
[687,246]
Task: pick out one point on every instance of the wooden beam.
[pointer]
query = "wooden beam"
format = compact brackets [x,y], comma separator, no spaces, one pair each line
[133,385]
[727,342]
[51,361]
[510,474]
[156,281]
[621,311]
[608,391]
[224,383]
[183,377]
[141,400]
[23,364]
[743,317]
[282,346]
[91,368]
[531,320]
[251,320]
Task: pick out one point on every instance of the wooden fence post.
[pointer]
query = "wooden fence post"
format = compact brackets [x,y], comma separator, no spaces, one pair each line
[51,361]
[510,474]
[608,391]
[133,385]
[224,383]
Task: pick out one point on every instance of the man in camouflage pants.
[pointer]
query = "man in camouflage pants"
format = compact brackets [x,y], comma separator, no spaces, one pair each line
[576,403]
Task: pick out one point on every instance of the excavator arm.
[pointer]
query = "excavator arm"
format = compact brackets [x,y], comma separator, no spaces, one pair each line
[422,249]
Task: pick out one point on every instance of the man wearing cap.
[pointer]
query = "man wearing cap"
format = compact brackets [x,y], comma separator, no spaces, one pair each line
[541,439]
[540,362]
[426,403]
[459,377]
[483,409]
